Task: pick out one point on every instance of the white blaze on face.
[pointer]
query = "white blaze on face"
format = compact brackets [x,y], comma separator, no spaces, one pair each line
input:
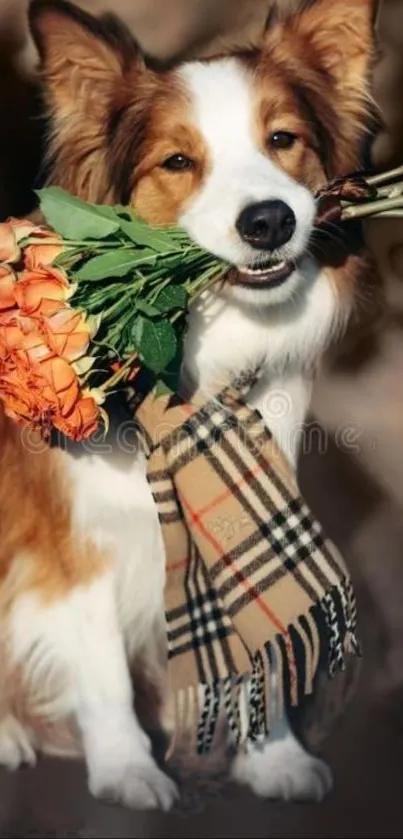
[222,107]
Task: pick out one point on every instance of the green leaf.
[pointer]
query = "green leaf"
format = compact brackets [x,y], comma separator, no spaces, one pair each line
[140,233]
[72,218]
[147,309]
[108,212]
[171,375]
[115,263]
[156,342]
[171,297]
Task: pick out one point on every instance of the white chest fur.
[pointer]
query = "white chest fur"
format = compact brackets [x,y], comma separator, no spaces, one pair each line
[113,505]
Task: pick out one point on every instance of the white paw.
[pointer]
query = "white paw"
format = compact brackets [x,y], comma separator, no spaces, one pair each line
[15,746]
[140,785]
[284,770]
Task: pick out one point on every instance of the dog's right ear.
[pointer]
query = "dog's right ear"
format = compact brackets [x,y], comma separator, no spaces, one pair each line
[88,67]
[81,56]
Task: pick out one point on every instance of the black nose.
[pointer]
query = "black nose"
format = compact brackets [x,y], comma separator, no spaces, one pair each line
[267,225]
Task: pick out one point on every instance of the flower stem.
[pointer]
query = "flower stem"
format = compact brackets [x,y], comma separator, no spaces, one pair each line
[120,374]
[385,177]
[372,208]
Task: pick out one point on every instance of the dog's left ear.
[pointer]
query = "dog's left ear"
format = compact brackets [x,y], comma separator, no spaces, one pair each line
[327,50]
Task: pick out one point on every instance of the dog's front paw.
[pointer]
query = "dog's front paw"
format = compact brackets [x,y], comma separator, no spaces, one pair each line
[284,770]
[139,785]
[16,747]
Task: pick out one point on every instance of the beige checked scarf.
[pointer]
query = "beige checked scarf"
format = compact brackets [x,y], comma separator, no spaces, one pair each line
[251,580]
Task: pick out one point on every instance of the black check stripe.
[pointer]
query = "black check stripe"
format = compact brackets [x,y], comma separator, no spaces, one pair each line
[206,630]
[165,495]
[202,430]
[202,624]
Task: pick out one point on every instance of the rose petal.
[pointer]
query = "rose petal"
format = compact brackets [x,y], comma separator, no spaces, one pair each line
[37,255]
[22,396]
[9,250]
[62,381]
[37,291]
[67,333]
[22,228]
[81,422]
[7,287]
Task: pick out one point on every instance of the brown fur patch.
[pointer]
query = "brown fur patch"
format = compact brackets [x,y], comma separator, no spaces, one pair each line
[38,551]
[278,108]
[160,194]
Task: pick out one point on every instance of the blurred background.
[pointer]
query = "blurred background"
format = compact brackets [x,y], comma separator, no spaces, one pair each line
[352,472]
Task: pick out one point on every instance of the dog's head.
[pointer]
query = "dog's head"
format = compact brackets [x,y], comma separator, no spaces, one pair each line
[232,148]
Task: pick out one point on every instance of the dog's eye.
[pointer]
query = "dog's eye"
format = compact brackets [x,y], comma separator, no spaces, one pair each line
[178,163]
[282,140]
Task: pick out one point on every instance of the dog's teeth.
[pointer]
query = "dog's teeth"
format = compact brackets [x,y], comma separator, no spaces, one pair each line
[274,267]
[268,269]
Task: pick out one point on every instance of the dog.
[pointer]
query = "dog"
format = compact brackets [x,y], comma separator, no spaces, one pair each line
[233,149]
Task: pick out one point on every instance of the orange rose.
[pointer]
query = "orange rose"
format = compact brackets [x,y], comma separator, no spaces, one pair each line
[61,384]
[35,349]
[9,249]
[22,228]
[12,232]
[68,333]
[14,331]
[21,338]
[21,392]
[82,420]
[47,247]
[7,287]
[44,251]
[41,292]
[46,394]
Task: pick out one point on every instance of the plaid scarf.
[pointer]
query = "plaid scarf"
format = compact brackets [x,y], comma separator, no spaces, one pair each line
[251,580]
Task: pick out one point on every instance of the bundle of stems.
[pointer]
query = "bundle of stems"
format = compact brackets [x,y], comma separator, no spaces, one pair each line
[384,198]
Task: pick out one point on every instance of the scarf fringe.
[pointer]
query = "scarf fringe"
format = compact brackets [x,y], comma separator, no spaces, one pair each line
[282,674]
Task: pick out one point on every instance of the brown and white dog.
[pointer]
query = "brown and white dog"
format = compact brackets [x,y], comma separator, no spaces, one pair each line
[232,149]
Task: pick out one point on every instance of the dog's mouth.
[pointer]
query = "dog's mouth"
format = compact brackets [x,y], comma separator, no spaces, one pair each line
[270,275]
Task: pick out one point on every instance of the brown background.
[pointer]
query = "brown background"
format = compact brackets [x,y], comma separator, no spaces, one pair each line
[353,479]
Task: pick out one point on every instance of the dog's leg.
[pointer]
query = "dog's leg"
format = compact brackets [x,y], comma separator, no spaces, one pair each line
[117,751]
[73,663]
[16,745]
[280,767]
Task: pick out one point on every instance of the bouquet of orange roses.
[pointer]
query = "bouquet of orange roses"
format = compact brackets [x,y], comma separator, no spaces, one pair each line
[85,304]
